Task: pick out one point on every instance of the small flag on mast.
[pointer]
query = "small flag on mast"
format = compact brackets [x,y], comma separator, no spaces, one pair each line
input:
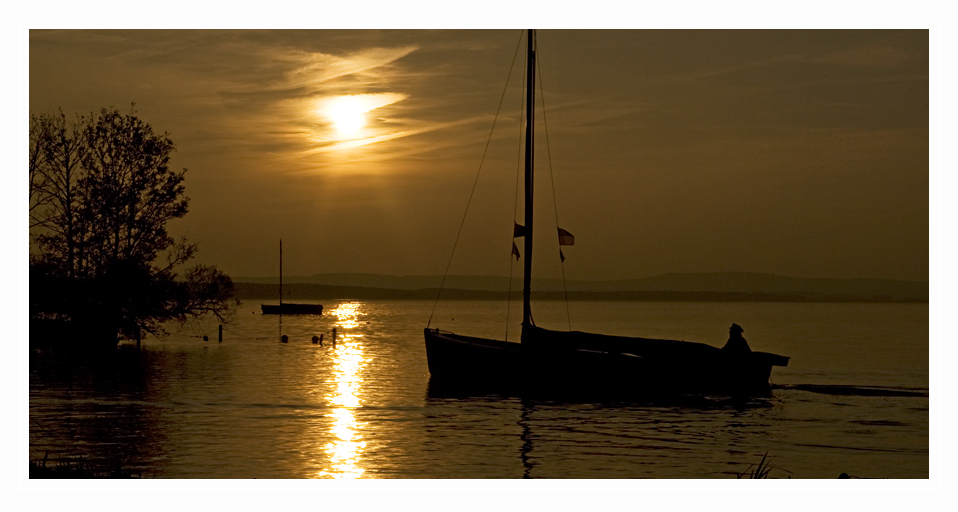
[561,256]
[566,238]
[515,251]
[518,230]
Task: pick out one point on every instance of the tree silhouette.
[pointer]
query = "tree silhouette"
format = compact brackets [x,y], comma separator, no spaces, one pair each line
[102,260]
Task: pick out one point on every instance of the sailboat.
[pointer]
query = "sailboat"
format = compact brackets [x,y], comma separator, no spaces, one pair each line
[573,361]
[288,308]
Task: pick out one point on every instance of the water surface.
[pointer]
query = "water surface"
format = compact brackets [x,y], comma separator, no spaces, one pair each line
[853,399]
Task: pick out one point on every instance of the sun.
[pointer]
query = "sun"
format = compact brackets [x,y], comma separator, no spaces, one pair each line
[348,114]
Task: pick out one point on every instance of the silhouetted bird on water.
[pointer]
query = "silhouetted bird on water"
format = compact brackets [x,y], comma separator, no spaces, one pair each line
[736,344]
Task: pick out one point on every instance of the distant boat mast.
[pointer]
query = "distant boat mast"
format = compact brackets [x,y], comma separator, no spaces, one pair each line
[289,308]
[281,274]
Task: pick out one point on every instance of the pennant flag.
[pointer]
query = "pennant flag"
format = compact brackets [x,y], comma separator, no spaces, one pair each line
[518,231]
[566,238]
[561,256]
[515,251]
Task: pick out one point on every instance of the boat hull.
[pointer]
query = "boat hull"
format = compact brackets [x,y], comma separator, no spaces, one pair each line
[292,309]
[582,363]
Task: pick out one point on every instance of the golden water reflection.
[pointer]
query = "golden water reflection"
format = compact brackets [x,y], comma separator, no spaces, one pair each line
[346,450]
[347,315]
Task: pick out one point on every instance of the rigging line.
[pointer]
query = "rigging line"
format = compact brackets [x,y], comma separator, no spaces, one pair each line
[515,209]
[555,204]
[475,182]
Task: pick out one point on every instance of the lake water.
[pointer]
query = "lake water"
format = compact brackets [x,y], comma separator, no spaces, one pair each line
[853,399]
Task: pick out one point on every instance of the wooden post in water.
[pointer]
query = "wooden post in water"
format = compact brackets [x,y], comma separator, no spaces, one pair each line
[221,333]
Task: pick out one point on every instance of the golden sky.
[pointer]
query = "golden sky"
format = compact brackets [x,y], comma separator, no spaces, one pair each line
[795,152]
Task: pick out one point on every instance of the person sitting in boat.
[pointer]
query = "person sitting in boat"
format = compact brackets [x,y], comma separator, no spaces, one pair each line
[736,344]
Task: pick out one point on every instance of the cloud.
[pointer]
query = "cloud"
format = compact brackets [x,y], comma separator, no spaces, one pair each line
[356,143]
[263,92]
[281,96]
[295,111]
[357,102]
[316,69]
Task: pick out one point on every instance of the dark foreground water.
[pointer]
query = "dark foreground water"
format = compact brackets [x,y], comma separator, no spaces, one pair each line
[853,399]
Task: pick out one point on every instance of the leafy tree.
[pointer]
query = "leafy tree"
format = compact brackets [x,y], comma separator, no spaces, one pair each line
[101,194]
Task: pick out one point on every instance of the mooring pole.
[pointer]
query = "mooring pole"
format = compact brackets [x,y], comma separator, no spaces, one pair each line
[221,333]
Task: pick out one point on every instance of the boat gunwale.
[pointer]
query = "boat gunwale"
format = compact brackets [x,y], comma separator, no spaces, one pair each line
[473,340]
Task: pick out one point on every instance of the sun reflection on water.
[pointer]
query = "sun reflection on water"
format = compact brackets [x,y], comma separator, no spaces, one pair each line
[345,451]
[346,314]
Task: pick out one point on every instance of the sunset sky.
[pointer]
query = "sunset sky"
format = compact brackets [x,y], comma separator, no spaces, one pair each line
[796,152]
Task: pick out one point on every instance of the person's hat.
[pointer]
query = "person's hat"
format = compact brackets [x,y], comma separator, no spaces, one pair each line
[736,328]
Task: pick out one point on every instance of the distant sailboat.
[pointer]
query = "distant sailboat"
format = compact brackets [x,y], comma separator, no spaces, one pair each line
[571,361]
[286,308]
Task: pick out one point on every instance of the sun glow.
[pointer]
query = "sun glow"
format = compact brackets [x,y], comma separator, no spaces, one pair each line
[348,114]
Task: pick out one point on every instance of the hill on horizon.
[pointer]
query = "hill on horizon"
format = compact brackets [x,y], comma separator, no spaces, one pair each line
[712,282]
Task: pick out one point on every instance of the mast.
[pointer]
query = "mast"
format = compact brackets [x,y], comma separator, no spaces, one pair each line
[530,122]
[281,275]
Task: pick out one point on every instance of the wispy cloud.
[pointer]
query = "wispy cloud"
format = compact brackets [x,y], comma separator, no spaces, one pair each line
[393,135]
[316,70]
[278,100]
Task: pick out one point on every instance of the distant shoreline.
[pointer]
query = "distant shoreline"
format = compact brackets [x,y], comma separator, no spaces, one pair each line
[302,291]
[694,287]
